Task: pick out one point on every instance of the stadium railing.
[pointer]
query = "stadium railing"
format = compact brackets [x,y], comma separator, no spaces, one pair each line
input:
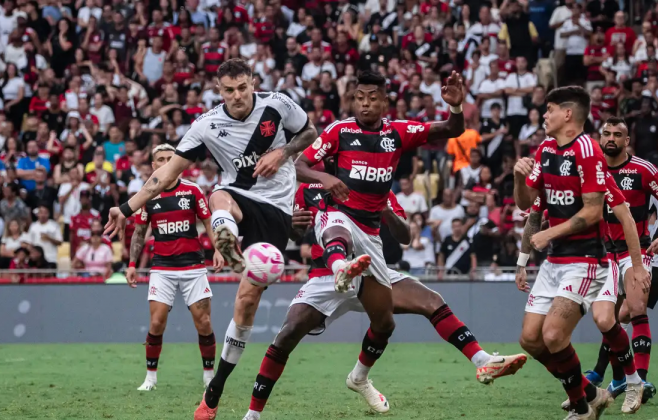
[293,274]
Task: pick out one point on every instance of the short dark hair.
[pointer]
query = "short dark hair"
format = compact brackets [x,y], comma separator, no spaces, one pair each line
[369,77]
[457,219]
[495,105]
[234,68]
[615,121]
[576,95]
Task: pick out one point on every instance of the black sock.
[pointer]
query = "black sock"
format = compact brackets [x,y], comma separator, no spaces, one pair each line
[216,387]
[603,360]
[590,392]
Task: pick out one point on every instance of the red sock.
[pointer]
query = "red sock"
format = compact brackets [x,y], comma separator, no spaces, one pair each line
[208,349]
[373,347]
[452,330]
[547,359]
[334,251]
[620,347]
[641,344]
[270,371]
[568,366]
[153,349]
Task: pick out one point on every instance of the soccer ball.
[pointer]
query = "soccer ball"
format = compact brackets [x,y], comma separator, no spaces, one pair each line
[264,264]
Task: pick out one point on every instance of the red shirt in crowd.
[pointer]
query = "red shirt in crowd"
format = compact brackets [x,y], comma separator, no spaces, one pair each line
[593,71]
[80,227]
[624,35]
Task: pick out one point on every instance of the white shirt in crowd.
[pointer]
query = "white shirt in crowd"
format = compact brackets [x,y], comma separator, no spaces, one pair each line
[13,244]
[518,81]
[259,68]
[412,203]
[85,13]
[105,116]
[419,258]
[491,86]
[560,14]
[476,76]
[7,25]
[72,205]
[50,228]
[434,89]
[446,216]
[622,68]
[577,43]
[527,131]
[10,90]
[311,70]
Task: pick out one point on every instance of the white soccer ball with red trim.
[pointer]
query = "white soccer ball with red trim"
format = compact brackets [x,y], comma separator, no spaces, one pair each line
[264,264]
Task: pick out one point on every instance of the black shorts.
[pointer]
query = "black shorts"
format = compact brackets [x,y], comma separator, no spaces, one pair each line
[262,222]
[653,293]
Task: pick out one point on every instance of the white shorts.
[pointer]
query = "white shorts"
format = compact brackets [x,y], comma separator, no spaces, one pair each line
[362,242]
[624,264]
[193,285]
[319,293]
[610,289]
[579,282]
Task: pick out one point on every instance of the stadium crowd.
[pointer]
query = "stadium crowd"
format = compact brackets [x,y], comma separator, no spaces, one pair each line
[89,87]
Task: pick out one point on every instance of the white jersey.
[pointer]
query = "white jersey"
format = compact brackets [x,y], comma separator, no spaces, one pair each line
[237,145]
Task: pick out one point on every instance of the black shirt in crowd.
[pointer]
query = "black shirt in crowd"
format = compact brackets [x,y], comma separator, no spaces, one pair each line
[457,254]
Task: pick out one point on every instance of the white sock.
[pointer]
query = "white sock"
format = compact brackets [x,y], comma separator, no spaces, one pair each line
[235,341]
[360,372]
[223,217]
[208,374]
[253,414]
[152,376]
[338,265]
[480,358]
[634,378]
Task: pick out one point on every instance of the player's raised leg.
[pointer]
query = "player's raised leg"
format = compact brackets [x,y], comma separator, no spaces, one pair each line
[158,323]
[300,320]
[412,297]
[226,215]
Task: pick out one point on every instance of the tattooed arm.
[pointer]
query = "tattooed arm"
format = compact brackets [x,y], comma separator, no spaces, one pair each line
[532,226]
[136,247]
[640,274]
[160,179]
[591,213]
[270,163]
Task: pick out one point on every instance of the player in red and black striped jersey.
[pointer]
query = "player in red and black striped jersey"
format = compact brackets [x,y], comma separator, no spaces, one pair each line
[603,306]
[317,305]
[178,263]
[638,180]
[367,150]
[569,172]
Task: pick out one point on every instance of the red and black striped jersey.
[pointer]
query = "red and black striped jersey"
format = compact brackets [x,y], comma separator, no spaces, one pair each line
[310,197]
[564,174]
[366,162]
[172,216]
[638,180]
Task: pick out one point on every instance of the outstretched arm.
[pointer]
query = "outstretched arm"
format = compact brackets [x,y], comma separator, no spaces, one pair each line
[160,179]
[270,163]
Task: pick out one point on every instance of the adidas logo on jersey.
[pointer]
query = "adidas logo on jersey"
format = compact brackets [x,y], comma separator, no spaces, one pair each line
[157,207]
[568,288]
[207,290]
[317,197]
[607,293]
[355,143]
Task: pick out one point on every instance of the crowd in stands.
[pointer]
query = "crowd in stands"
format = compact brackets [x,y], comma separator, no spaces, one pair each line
[89,87]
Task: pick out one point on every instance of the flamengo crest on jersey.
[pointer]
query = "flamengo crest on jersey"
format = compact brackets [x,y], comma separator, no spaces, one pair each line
[564,174]
[638,181]
[172,215]
[237,145]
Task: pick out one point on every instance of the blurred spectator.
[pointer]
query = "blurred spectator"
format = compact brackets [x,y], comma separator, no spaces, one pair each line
[37,260]
[412,202]
[420,252]
[68,162]
[317,65]
[14,237]
[518,88]
[576,31]
[69,198]
[620,63]
[46,235]
[19,261]
[457,254]
[208,178]
[459,149]
[491,91]
[602,12]
[620,33]
[95,257]
[12,206]
[13,93]
[596,54]
[518,31]
[42,194]
[81,222]
[443,213]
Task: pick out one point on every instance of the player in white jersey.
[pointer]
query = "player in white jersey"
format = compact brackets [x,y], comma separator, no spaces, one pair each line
[253,137]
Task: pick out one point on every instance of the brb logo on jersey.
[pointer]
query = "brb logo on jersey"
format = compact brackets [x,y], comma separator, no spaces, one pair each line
[370,173]
[565,168]
[560,198]
[170,228]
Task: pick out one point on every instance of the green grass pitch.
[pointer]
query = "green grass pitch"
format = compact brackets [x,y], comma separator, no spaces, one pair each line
[421,381]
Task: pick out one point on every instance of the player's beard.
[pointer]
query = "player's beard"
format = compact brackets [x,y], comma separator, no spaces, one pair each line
[612,152]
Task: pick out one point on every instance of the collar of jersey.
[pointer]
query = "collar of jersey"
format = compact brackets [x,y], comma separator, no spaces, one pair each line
[364,128]
[247,116]
[568,145]
[623,163]
[174,187]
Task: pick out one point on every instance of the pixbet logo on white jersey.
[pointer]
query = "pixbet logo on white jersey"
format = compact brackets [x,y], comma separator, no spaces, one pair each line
[360,170]
[245,161]
[169,228]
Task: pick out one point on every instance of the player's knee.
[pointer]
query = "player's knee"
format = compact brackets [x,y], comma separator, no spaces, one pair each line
[338,233]
[531,341]
[554,339]
[203,324]
[604,320]
[247,303]
[635,307]
[385,326]
[624,315]
[289,337]
[157,326]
